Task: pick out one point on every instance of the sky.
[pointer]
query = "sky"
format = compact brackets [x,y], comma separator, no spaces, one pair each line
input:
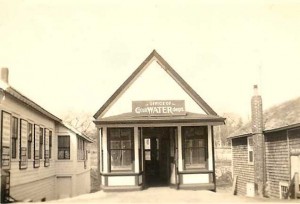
[73,55]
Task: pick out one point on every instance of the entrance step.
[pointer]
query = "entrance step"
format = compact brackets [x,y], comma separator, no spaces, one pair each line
[204,186]
[121,188]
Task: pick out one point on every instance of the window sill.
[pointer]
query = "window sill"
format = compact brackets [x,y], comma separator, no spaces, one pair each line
[195,171]
[63,160]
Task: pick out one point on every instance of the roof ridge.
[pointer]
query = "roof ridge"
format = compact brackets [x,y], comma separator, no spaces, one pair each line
[170,71]
[17,94]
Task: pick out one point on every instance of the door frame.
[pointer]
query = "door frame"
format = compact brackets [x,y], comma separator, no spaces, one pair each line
[174,130]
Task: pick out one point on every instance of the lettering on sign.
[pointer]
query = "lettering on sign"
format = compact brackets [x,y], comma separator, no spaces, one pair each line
[158,108]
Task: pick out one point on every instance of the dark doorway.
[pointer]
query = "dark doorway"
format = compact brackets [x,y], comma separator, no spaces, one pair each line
[157,155]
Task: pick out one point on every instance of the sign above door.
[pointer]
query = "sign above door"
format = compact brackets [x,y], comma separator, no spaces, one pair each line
[158,108]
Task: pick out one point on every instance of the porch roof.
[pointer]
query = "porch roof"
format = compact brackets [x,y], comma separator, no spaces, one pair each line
[130,118]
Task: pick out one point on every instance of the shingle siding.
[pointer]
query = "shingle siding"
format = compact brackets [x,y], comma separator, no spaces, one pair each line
[241,168]
[277,161]
[294,138]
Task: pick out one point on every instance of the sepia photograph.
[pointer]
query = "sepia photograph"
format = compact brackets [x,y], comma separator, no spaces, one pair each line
[155,101]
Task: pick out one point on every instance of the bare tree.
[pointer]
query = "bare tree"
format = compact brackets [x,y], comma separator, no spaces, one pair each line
[81,121]
[233,123]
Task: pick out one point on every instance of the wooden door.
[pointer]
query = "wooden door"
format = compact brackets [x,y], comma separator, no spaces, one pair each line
[295,165]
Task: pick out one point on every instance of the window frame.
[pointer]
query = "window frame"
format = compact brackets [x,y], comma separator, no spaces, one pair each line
[68,149]
[250,149]
[14,137]
[6,134]
[81,147]
[204,148]
[36,146]
[29,140]
[42,136]
[46,148]
[50,144]
[23,144]
[131,149]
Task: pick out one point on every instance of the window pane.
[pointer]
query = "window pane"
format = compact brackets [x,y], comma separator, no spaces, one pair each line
[126,157]
[147,143]
[115,158]
[199,143]
[250,141]
[29,149]
[63,147]
[114,134]
[147,155]
[126,144]
[198,155]
[125,133]
[188,143]
[195,147]
[115,144]
[67,154]
[199,131]
[250,156]
[14,148]
[63,141]
[15,128]
[121,160]
[120,146]
[61,154]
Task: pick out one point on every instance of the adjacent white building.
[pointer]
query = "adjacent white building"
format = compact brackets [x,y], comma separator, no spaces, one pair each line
[41,157]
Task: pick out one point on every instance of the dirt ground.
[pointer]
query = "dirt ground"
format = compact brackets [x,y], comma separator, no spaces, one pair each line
[165,195]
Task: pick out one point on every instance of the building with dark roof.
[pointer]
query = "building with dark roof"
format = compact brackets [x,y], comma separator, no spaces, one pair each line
[266,151]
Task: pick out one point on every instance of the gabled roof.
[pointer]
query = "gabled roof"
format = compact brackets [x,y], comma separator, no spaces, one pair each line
[183,84]
[78,133]
[16,94]
[280,117]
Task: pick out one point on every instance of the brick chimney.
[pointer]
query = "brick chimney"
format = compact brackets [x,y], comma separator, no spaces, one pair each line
[4,75]
[258,138]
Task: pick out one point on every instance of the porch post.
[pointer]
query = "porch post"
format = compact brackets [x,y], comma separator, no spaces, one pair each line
[136,150]
[210,154]
[99,155]
[179,148]
[99,146]
[105,155]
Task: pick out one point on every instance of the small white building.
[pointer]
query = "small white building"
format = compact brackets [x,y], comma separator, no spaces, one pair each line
[155,130]
[41,157]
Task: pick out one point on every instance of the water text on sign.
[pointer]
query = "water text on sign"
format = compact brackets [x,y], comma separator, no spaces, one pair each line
[159,108]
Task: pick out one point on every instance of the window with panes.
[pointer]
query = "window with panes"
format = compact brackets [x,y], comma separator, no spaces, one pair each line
[250,150]
[120,147]
[29,140]
[50,144]
[80,148]
[41,142]
[195,147]
[14,137]
[63,147]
